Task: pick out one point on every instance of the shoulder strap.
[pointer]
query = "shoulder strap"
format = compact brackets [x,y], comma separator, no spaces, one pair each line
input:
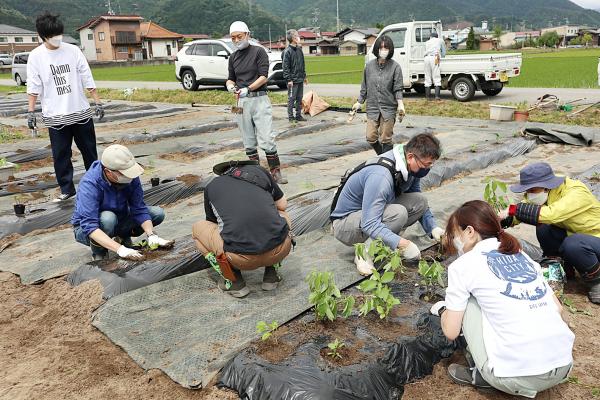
[382,161]
[249,177]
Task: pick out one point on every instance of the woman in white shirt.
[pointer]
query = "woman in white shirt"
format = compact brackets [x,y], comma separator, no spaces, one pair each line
[516,339]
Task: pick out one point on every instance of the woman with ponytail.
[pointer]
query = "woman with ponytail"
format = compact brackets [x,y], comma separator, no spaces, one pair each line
[511,320]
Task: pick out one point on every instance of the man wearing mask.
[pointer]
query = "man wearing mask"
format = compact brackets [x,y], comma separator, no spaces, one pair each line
[435,50]
[295,75]
[248,72]
[566,215]
[381,88]
[382,197]
[58,73]
[110,208]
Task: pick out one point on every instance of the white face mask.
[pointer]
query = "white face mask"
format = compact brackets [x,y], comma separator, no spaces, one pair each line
[383,54]
[537,198]
[55,40]
[459,246]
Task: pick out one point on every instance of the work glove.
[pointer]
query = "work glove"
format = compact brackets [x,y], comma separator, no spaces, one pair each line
[231,88]
[356,106]
[401,110]
[290,84]
[243,92]
[31,121]
[365,265]
[503,214]
[437,233]
[411,251]
[155,241]
[99,111]
[130,254]
[435,309]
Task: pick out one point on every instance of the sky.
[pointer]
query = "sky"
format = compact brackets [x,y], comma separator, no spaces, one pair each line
[593,4]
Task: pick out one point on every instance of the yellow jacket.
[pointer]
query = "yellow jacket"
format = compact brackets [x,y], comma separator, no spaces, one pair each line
[572,207]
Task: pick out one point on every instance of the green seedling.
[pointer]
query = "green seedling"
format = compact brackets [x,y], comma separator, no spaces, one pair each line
[266,330]
[377,294]
[431,274]
[326,297]
[568,303]
[498,137]
[495,194]
[594,390]
[335,348]
[473,148]
[3,162]
[595,176]
[380,253]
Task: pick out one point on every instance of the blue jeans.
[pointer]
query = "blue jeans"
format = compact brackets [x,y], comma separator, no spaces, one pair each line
[580,251]
[124,229]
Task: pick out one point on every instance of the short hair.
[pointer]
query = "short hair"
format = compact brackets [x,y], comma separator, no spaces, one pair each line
[291,33]
[424,145]
[387,43]
[48,25]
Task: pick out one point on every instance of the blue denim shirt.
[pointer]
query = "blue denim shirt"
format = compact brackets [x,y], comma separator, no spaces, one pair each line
[95,194]
[370,190]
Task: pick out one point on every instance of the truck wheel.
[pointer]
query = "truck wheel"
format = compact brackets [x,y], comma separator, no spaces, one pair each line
[188,80]
[419,89]
[463,89]
[19,80]
[492,92]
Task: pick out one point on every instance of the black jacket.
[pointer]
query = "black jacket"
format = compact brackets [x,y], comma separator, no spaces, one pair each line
[293,65]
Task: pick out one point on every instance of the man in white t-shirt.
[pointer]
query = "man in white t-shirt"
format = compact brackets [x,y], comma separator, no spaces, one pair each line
[435,50]
[57,74]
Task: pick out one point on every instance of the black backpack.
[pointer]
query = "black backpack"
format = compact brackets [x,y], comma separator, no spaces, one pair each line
[382,161]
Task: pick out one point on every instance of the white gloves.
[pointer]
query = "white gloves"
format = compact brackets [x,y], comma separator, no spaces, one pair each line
[130,254]
[357,106]
[231,88]
[401,109]
[411,251]
[364,267]
[243,92]
[437,233]
[435,309]
[155,241]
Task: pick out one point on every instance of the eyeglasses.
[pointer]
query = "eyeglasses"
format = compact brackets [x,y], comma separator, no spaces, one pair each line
[237,38]
[421,163]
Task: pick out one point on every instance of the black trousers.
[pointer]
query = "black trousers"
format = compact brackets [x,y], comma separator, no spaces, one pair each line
[61,141]
[295,99]
[580,251]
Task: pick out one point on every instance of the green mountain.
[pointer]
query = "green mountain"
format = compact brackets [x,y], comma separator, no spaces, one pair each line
[511,13]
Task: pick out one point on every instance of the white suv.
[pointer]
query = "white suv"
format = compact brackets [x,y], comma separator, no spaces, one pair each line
[206,62]
[19,68]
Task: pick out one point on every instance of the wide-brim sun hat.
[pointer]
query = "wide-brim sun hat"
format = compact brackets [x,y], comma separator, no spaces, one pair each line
[537,175]
[221,168]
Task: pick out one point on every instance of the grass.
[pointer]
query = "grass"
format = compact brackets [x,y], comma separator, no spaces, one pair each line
[9,134]
[565,68]
[12,89]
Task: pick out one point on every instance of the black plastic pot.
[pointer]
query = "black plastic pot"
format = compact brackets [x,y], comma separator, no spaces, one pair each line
[19,209]
[154,181]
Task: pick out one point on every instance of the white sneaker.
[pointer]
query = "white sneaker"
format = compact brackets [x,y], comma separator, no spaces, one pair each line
[364,267]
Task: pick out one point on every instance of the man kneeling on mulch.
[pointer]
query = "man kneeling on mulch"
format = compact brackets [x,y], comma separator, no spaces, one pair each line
[246,225]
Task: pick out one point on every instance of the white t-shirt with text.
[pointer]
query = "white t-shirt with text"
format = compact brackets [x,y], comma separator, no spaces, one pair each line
[523,331]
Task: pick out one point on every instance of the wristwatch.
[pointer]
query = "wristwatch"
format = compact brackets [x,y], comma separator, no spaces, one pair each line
[441,310]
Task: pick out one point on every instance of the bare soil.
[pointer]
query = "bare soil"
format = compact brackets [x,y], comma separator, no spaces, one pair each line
[50,350]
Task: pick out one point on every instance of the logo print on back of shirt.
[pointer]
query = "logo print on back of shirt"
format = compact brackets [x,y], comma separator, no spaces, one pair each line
[519,273]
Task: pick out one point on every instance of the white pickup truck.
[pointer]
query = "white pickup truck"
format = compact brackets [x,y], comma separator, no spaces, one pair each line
[463,75]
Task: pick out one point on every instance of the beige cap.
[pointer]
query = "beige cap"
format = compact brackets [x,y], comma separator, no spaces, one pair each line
[118,158]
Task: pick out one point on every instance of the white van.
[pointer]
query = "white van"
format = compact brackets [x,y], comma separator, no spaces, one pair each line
[19,68]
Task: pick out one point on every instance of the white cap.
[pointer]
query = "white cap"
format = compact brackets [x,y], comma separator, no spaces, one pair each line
[118,158]
[238,26]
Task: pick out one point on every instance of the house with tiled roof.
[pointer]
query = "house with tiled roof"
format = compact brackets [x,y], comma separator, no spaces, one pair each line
[112,38]
[158,42]
[15,40]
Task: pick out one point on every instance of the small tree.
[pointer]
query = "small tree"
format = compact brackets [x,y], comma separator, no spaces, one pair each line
[586,39]
[497,32]
[549,39]
[379,26]
[471,40]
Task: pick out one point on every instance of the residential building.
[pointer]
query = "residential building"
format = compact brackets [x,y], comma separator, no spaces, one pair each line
[565,32]
[355,41]
[310,38]
[158,42]
[112,38]
[16,40]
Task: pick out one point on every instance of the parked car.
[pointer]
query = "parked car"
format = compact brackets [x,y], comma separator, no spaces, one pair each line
[463,75]
[205,62]
[5,59]
[19,68]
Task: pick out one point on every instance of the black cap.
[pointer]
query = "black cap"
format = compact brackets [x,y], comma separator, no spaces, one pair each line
[221,168]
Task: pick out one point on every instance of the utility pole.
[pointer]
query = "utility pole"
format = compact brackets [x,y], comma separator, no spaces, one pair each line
[337,13]
[285,34]
[270,37]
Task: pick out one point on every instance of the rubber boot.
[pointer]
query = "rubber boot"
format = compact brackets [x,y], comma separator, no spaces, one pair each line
[437,93]
[252,154]
[271,278]
[428,93]
[377,147]
[386,147]
[592,279]
[275,168]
